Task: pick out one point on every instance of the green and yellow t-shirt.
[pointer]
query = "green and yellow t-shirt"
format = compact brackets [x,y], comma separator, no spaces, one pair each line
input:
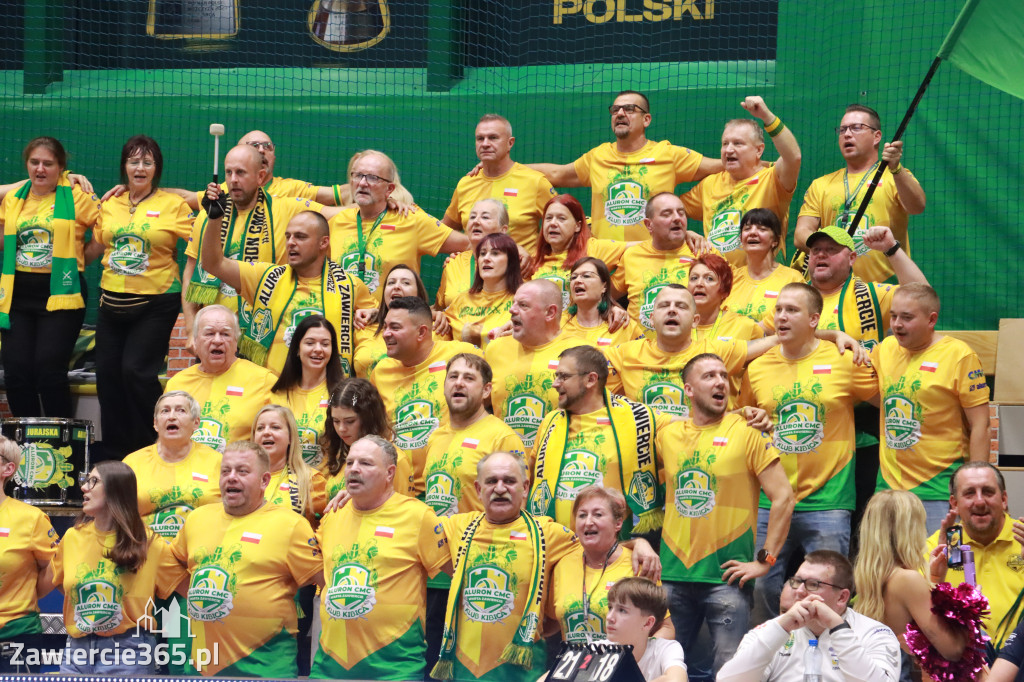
[811,402]
[228,401]
[414,398]
[169,491]
[755,298]
[283,492]
[923,396]
[719,201]
[728,327]
[373,605]
[523,389]
[643,372]
[34,234]
[310,410]
[474,316]
[524,192]
[584,623]
[599,337]
[620,184]
[100,597]
[26,539]
[499,569]
[711,489]
[142,247]
[245,572]
[553,267]
[644,272]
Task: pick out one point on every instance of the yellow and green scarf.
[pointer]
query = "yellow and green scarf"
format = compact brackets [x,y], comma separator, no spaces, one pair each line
[65,289]
[259,235]
[274,294]
[631,422]
[520,650]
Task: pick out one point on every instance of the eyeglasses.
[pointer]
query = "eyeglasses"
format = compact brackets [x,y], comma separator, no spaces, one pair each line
[626,108]
[88,482]
[811,584]
[145,163]
[370,178]
[854,128]
[564,376]
[267,146]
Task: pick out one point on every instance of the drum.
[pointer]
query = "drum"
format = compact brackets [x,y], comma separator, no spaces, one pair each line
[55,459]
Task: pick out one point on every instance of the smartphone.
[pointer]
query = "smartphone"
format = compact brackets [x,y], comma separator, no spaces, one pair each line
[954,538]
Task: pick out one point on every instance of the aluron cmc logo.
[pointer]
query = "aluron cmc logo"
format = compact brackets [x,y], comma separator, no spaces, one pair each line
[209,598]
[350,594]
[488,597]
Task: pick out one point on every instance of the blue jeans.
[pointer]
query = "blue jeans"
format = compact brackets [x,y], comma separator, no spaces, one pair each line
[96,655]
[727,611]
[934,512]
[808,531]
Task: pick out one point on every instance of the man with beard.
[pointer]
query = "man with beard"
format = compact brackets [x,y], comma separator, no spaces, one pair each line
[714,467]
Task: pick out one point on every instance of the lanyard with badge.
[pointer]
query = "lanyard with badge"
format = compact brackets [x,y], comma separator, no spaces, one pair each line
[362,241]
[845,216]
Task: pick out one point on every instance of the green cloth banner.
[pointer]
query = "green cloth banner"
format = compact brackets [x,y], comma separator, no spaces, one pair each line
[987,41]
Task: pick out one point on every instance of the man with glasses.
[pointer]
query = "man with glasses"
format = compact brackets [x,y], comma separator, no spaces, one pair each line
[624,174]
[833,199]
[814,604]
[370,238]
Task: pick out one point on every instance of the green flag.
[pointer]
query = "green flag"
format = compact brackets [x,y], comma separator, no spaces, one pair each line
[987,41]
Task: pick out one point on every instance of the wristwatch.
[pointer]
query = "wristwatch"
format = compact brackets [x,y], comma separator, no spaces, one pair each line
[895,247]
[765,557]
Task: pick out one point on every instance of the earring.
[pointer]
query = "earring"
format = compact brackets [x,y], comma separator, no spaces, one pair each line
[602,306]
[572,309]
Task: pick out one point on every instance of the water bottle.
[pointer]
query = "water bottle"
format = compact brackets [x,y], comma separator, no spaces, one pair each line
[812,662]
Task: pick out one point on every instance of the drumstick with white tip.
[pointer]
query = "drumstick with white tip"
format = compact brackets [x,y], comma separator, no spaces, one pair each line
[216,129]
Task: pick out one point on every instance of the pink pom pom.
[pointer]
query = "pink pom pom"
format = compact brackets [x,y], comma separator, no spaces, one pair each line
[962,608]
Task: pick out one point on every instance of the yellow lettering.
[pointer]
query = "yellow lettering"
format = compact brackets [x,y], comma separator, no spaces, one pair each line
[681,6]
[709,9]
[565,7]
[663,9]
[620,13]
[609,11]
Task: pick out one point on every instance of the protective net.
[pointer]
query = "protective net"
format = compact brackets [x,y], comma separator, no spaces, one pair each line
[326,78]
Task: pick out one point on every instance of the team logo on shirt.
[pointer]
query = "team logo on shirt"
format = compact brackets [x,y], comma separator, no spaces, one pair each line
[581,626]
[309,306]
[798,426]
[210,432]
[97,603]
[579,469]
[651,289]
[129,254]
[414,422]
[844,219]
[626,199]
[168,520]
[664,396]
[695,491]
[350,594]
[35,248]
[443,490]
[42,465]
[524,409]
[489,595]
[371,275]
[642,489]
[553,276]
[724,234]
[262,325]
[211,591]
[902,423]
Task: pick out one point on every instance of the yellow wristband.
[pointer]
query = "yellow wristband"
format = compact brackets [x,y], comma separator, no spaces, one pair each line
[774,125]
[897,170]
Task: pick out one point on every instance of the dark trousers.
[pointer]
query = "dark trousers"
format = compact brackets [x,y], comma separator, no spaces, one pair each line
[37,349]
[131,343]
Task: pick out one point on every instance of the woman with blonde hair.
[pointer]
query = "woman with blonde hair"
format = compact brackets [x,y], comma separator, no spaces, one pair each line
[293,483]
[889,572]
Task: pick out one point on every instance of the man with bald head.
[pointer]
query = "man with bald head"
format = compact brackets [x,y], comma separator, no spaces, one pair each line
[281,296]
[370,238]
[523,191]
[525,362]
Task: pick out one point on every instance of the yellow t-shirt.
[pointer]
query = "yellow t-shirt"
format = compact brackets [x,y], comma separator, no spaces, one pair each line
[874,308]
[277,187]
[811,401]
[755,298]
[310,410]
[228,401]
[729,326]
[456,278]
[483,312]
[244,573]
[397,240]
[620,184]
[825,200]
[305,301]
[35,232]
[26,538]
[923,395]
[582,624]
[644,272]
[100,598]
[524,192]
[373,607]
[599,336]
[523,389]
[554,268]
[719,202]
[643,372]
[414,398]
[279,492]
[272,242]
[169,491]
[500,561]
[711,490]
[142,248]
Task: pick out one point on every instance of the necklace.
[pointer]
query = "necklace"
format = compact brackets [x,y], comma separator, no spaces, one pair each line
[587,596]
[135,204]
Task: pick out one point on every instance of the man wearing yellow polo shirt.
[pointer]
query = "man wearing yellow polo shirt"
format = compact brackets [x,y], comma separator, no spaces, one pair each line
[809,391]
[934,401]
[721,199]
[371,238]
[624,174]
[522,190]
